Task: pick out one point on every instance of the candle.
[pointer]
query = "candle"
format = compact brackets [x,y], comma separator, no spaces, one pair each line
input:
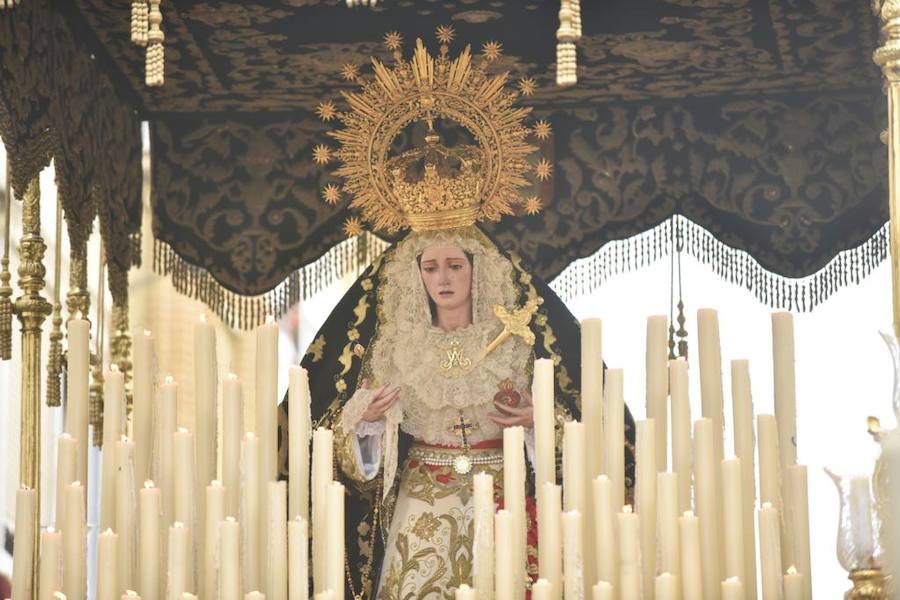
[770,552]
[149,550]
[334,546]
[645,499]
[544,423]
[733,518]
[322,469]
[483,554]
[229,567]
[592,393]
[257,595]
[550,550]
[183,441]
[505,583]
[603,590]
[732,589]
[74,542]
[165,429]
[607,557]
[572,556]
[574,491]
[214,513]
[23,549]
[711,378]
[128,595]
[785,392]
[629,549]
[514,496]
[66,472]
[78,390]
[706,496]
[742,408]
[125,506]
[107,572]
[298,558]
[464,592]
[232,430]
[50,577]
[276,566]
[143,392]
[691,576]
[326,595]
[250,511]
[299,432]
[657,384]
[615,434]
[667,526]
[266,399]
[797,521]
[206,418]
[794,585]
[666,587]
[770,478]
[113,414]
[681,430]
[177,572]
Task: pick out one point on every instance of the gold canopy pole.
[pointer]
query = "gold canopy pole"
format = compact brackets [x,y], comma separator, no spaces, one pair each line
[888,58]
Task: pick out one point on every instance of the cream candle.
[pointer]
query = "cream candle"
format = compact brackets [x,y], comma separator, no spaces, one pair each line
[666,587]
[540,590]
[299,432]
[667,523]
[657,393]
[322,469]
[107,572]
[483,559]
[770,552]
[149,549]
[232,430]
[113,420]
[706,497]
[770,478]
[125,509]
[66,472]
[602,590]
[573,572]
[550,550]
[732,589]
[711,394]
[464,592]
[266,399]
[143,387]
[681,431]
[334,546]
[574,491]
[797,522]
[607,557]
[592,394]
[50,576]
[128,595]
[629,554]
[298,558]
[177,568]
[514,496]
[504,535]
[544,422]
[229,567]
[645,500]
[214,513]
[615,434]
[23,550]
[742,409]
[785,386]
[74,544]
[206,422]
[250,515]
[794,585]
[276,566]
[78,389]
[257,595]
[733,519]
[183,442]
[691,558]
[166,424]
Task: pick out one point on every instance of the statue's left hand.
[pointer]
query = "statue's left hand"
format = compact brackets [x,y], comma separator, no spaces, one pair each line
[510,416]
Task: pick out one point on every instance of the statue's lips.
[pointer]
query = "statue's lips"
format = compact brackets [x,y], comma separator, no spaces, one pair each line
[445,293]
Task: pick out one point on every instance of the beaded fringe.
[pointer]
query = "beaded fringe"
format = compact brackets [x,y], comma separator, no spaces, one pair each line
[247,312]
[735,266]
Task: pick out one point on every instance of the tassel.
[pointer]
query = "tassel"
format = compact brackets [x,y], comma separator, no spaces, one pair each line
[54,359]
[155,63]
[566,56]
[6,289]
[139,22]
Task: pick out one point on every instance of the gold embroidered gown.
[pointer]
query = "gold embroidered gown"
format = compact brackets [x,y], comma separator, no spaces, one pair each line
[444,383]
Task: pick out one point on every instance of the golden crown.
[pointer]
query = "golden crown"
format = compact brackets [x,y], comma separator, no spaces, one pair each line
[432,186]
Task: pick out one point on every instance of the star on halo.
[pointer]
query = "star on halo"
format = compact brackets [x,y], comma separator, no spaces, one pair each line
[393,40]
[352,227]
[331,193]
[350,72]
[445,34]
[543,169]
[527,86]
[321,154]
[533,205]
[326,110]
[541,130]
[492,50]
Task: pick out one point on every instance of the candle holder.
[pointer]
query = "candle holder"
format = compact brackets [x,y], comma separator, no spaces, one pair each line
[868,584]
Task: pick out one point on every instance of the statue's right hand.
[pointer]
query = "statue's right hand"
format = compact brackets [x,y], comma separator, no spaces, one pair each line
[381,401]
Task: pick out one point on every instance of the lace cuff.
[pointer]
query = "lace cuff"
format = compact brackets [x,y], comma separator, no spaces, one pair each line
[369,428]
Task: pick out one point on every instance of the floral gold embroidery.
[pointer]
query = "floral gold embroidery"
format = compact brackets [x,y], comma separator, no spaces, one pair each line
[426,525]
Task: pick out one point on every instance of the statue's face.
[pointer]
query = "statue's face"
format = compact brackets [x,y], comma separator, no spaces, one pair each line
[447,275]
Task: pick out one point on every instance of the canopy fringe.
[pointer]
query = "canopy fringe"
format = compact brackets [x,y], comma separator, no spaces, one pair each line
[735,266]
[247,312]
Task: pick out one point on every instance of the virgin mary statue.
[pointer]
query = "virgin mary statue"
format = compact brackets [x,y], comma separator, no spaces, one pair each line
[417,370]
